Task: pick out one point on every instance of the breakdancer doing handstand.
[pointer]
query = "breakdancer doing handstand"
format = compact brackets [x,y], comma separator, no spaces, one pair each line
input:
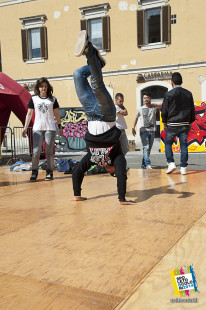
[102,137]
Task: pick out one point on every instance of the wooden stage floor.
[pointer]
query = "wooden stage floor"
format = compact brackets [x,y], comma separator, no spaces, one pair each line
[97,254]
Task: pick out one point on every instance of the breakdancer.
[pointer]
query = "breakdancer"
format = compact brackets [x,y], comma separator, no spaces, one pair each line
[102,137]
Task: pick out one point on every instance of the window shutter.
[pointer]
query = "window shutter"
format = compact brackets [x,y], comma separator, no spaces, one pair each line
[166,24]
[83,24]
[140,28]
[24,41]
[106,42]
[43,42]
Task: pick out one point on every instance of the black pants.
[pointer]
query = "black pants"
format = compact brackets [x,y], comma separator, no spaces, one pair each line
[119,163]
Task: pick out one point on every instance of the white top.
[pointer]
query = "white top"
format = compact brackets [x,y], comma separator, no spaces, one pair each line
[147,117]
[99,127]
[121,123]
[44,115]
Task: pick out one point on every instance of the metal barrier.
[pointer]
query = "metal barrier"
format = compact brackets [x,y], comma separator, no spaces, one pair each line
[15,147]
[23,146]
[6,146]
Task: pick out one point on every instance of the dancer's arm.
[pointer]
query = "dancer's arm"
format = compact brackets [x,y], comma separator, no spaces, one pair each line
[78,176]
[121,174]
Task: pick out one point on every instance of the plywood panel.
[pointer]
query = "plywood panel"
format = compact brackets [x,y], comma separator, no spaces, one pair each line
[28,294]
[96,245]
[156,291]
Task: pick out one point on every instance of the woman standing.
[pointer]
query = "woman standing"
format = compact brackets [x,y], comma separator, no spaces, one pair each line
[46,107]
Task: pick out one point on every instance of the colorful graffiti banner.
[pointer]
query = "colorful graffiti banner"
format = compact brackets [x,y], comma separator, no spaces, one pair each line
[74,125]
[184,281]
[197,135]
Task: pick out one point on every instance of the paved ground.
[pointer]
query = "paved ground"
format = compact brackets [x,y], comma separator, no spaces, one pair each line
[197,161]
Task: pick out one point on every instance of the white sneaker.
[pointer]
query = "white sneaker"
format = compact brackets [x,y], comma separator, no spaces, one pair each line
[148,167]
[171,168]
[183,170]
[81,43]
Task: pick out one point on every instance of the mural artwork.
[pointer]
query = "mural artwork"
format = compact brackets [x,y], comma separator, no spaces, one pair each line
[74,124]
[197,135]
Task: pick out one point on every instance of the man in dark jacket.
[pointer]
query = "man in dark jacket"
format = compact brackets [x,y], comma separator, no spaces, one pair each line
[178,114]
[102,137]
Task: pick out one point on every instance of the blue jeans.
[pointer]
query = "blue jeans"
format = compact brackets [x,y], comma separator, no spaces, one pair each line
[181,132]
[95,99]
[147,138]
[38,138]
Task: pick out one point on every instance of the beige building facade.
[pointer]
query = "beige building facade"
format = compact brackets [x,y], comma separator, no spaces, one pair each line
[143,42]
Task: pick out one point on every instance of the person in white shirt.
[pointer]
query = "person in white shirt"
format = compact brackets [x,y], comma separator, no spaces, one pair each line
[147,116]
[121,112]
[46,107]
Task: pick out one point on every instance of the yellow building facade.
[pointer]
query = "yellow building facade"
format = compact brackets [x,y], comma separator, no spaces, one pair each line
[143,42]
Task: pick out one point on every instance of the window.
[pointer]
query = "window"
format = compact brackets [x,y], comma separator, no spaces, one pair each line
[34,43]
[95,32]
[97,24]
[173,19]
[34,39]
[154,26]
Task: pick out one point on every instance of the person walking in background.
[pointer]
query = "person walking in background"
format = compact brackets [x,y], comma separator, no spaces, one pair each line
[102,137]
[46,107]
[147,116]
[178,114]
[121,112]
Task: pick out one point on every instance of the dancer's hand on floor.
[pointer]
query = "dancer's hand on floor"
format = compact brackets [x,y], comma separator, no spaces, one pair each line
[127,202]
[79,198]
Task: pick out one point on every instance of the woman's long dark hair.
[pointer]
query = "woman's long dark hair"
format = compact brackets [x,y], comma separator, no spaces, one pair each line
[49,87]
